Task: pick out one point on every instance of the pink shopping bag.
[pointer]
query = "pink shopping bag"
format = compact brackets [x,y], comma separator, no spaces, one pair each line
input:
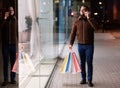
[15,67]
[75,63]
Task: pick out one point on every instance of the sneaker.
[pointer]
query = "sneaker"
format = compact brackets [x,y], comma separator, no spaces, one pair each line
[83,82]
[5,83]
[90,84]
[13,82]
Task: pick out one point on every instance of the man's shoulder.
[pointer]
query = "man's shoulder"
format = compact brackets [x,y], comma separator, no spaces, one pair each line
[76,21]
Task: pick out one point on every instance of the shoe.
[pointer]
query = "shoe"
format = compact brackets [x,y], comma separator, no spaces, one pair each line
[90,84]
[83,82]
[13,82]
[5,83]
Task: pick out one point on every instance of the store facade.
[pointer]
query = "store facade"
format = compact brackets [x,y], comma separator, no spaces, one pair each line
[38,33]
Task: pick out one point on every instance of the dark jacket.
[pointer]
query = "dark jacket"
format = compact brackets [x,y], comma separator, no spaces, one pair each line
[83,28]
[10,30]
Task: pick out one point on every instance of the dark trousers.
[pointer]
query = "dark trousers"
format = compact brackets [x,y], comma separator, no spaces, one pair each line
[86,55]
[9,53]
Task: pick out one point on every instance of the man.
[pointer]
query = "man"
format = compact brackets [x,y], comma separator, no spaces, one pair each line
[9,43]
[83,28]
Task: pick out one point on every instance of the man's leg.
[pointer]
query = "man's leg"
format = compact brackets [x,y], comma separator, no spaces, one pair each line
[89,57]
[82,62]
[12,61]
[5,53]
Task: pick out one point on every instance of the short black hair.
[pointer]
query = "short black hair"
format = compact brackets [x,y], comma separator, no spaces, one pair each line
[85,7]
[11,7]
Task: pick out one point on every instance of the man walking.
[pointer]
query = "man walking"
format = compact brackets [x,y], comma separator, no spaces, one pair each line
[83,28]
[9,43]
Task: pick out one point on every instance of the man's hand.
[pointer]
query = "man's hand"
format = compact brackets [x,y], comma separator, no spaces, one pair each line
[87,14]
[70,47]
[6,15]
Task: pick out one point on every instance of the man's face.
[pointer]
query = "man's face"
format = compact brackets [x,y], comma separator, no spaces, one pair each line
[11,11]
[83,10]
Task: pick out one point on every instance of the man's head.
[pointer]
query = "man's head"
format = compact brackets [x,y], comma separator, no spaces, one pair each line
[11,10]
[83,9]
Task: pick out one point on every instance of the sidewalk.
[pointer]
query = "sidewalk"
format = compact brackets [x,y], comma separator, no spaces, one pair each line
[114,32]
[106,66]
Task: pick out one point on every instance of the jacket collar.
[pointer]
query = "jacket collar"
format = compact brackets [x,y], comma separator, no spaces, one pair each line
[82,18]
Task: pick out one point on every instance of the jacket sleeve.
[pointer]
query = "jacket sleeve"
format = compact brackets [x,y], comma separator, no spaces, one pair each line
[92,23]
[17,33]
[2,23]
[16,27]
[73,33]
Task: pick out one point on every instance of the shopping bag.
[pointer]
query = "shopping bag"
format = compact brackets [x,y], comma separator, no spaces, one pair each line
[28,62]
[63,66]
[15,66]
[73,67]
[68,65]
[75,63]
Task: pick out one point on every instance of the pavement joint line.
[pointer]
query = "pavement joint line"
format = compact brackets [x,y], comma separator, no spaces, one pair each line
[51,76]
[40,75]
[47,63]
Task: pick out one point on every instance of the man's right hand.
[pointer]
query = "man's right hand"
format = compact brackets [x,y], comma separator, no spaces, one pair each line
[6,15]
[70,47]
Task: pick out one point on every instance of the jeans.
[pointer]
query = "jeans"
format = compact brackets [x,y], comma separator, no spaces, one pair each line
[86,52]
[9,53]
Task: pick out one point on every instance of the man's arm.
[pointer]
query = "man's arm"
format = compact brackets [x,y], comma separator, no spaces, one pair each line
[4,19]
[92,23]
[72,35]
[91,20]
